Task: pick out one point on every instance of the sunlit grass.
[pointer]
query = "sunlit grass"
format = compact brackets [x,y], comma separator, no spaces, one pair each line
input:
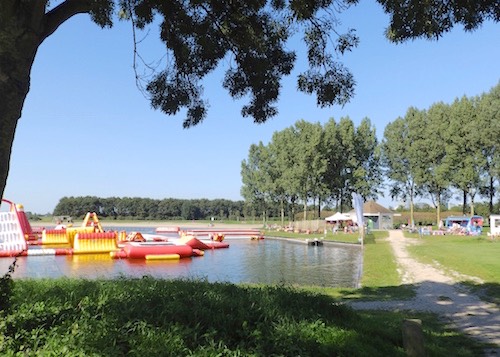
[379,264]
[151,317]
[474,256]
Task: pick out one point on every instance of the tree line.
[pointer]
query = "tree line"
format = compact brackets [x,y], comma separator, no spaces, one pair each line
[446,149]
[432,154]
[310,162]
[153,209]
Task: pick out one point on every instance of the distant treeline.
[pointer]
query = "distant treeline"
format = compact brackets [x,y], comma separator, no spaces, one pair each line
[153,209]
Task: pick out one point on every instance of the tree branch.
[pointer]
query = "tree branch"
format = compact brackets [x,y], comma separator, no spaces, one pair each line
[58,15]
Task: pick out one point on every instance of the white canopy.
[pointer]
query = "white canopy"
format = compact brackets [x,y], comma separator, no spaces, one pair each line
[339,217]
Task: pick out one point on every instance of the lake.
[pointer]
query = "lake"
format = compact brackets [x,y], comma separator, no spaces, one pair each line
[269,261]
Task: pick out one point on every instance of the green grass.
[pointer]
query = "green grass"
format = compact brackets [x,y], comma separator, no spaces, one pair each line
[379,265]
[473,256]
[381,280]
[150,317]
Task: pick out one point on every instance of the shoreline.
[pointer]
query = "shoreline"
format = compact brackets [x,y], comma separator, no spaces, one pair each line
[184,224]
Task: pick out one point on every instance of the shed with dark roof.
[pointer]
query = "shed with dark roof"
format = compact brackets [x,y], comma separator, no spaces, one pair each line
[380,217]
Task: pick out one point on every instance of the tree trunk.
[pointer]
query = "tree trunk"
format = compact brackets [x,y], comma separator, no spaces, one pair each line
[472,197]
[19,42]
[464,202]
[282,209]
[13,96]
[438,210]
[24,25]
[491,193]
[412,205]
[412,212]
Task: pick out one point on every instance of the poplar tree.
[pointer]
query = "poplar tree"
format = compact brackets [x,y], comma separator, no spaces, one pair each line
[488,122]
[335,158]
[433,169]
[368,172]
[256,178]
[463,148]
[282,147]
[399,159]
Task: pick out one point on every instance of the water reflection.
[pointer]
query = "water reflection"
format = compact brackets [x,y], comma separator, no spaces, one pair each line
[265,261]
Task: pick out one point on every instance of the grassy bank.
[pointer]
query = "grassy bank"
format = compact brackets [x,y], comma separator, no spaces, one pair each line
[148,317]
[379,265]
[380,280]
[473,256]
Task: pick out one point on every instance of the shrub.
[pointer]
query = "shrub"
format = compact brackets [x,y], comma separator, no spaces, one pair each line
[6,287]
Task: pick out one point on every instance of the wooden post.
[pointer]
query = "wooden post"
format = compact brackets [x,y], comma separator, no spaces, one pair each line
[413,338]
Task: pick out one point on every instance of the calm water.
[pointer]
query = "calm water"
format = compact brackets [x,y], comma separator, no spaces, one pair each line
[264,261]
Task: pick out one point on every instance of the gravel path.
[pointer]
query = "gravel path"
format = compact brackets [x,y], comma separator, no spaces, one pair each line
[439,292]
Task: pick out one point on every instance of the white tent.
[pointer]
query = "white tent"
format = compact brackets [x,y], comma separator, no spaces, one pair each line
[339,217]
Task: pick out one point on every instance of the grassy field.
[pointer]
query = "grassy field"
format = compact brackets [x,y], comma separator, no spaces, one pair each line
[473,256]
[150,317]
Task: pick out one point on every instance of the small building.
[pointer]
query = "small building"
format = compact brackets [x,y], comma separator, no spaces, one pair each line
[495,225]
[62,219]
[380,217]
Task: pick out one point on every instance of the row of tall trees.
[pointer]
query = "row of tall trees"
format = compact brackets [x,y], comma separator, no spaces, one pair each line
[153,209]
[310,162]
[430,154]
[444,149]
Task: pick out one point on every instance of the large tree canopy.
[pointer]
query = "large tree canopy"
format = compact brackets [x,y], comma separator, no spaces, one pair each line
[446,149]
[251,35]
[309,162]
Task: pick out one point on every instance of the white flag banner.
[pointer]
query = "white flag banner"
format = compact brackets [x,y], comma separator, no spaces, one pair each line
[358,208]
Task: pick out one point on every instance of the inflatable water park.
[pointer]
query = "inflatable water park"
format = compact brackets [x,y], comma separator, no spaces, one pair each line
[18,238]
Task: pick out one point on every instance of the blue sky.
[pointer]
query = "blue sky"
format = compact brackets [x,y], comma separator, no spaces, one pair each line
[87,130]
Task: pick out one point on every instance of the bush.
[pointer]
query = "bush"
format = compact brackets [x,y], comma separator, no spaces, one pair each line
[6,287]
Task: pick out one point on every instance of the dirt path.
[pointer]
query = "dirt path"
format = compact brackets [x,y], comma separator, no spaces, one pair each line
[440,292]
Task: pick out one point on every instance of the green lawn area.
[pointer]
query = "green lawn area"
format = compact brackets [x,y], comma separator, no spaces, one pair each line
[380,279]
[473,256]
[379,264]
[152,317]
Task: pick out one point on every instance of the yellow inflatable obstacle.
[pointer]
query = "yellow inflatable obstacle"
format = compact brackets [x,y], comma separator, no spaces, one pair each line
[91,220]
[73,231]
[55,236]
[90,224]
[95,242]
